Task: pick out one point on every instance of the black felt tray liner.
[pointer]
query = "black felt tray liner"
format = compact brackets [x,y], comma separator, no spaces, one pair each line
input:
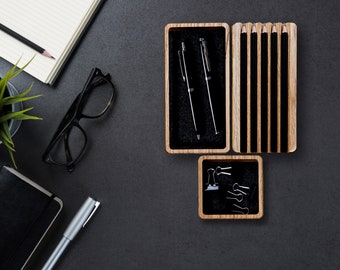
[182,134]
[243,173]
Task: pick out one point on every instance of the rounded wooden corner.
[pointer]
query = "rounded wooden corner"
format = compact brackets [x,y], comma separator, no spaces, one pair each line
[260,215]
[201,215]
[168,150]
[168,26]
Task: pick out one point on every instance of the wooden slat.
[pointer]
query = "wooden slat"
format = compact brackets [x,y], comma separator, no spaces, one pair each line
[292,86]
[236,96]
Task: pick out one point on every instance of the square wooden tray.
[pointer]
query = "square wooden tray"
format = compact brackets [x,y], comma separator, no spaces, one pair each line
[230,187]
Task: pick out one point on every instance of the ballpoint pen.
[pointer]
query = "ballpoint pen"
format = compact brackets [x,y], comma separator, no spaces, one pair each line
[207,75]
[83,215]
[186,78]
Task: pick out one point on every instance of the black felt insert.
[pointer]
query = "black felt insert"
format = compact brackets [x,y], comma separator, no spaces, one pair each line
[242,173]
[182,133]
[273,73]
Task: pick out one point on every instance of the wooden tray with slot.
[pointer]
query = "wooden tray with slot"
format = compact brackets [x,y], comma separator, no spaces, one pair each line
[281,137]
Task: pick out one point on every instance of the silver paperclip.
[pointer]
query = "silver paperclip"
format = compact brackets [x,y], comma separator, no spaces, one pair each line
[236,196]
[241,210]
[237,187]
[220,170]
[213,186]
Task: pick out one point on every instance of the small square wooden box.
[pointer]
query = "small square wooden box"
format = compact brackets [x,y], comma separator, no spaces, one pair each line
[230,187]
[263,113]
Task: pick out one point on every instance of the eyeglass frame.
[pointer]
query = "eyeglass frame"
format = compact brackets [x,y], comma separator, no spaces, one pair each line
[76,112]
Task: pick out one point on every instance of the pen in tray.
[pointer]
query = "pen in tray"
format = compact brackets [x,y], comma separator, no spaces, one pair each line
[187,79]
[207,75]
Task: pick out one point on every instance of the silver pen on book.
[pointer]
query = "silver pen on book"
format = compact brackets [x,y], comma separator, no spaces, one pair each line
[83,215]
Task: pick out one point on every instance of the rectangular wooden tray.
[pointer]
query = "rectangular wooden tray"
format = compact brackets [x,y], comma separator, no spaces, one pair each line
[289,133]
[179,135]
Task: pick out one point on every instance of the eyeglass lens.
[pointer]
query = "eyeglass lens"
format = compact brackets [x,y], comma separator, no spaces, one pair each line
[98,97]
[95,100]
[70,146]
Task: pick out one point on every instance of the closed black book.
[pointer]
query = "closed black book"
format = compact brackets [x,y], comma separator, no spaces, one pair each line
[27,211]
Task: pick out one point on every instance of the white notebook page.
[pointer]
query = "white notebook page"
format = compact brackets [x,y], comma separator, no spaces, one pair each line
[54,25]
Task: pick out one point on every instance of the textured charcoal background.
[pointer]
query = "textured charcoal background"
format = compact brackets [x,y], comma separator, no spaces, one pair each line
[149,213]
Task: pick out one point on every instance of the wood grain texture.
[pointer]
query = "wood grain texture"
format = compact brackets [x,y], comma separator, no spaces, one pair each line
[292,91]
[229,158]
[176,27]
[236,79]
[292,86]
[235,130]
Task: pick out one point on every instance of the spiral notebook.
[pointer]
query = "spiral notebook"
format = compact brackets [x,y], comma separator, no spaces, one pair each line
[53,25]
[27,211]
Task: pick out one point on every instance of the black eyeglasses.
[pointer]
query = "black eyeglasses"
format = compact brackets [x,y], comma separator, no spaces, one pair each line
[69,142]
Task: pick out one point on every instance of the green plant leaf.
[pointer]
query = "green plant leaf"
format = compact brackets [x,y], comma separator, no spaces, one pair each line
[5,117]
[12,115]
[25,93]
[9,145]
[18,116]
[27,117]
[12,100]
[6,139]
[13,72]
[18,71]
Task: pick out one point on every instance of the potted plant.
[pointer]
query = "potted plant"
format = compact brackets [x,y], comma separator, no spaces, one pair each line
[11,109]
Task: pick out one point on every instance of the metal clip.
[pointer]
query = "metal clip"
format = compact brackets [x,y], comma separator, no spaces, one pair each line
[220,170]
[237,188]
[181,60]
[236,196]
[242,210]
[205,54]
[96,205]
[213,186]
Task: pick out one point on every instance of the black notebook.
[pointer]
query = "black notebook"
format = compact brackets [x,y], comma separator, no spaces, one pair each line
[27,211]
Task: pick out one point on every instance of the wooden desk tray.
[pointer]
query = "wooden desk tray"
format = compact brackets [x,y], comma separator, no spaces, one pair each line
[263,92]
[230,187]
[264,104]
[180,135]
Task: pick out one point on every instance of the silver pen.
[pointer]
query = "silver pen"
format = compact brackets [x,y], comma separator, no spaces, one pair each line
[207,75]
[187,79]
[83,215]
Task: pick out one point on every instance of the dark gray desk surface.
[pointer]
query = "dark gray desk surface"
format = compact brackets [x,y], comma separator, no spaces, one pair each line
[148,218]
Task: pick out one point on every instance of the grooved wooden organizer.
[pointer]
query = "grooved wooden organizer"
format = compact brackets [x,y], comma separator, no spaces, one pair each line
[264,103]
[263,113]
